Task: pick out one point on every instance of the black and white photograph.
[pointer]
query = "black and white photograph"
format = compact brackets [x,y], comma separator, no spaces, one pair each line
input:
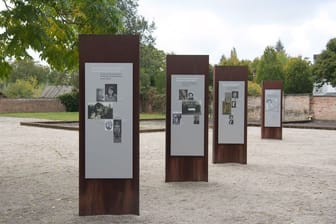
[177,118]
[111,92]
[272,104]
[100,94]
[100,111]
[231,122]
[231,116]
[190,96]
[183,93]
[108,125]
[235,94]
[191,107]
[234,104]
[196,119]
[226,104]
[117,131]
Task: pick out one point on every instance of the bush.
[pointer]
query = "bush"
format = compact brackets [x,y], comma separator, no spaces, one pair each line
[254,89]
[70,101]
[23,89]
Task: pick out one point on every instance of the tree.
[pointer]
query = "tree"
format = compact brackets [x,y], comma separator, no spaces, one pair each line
[279,46]
[51,28]
[298,76]
[269,66]
[153,63]
[324,69]
[232,60]
[25,69]
[23,88]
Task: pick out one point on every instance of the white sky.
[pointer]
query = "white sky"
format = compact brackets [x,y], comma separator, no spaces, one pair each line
[214,27]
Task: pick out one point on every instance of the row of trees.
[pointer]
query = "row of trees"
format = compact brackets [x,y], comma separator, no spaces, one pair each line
[51,28]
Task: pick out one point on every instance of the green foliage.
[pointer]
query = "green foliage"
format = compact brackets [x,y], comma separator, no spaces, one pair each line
[279,46]
[24,69]
[51,28]
[63,116]
[298,76]
[253,69]
[253,89]
[324,69]
[233,60]
[269,67]
[23,88]
[70,101]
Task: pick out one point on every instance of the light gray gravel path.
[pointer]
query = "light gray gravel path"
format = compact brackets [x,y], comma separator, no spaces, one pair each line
[288,181]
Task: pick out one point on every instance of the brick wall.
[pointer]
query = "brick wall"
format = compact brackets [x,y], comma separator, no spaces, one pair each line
[323,107]
[31,105]
[298,107]
[254,107]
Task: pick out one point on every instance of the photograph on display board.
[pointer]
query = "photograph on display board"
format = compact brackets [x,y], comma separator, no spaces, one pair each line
[108,125]
[235,94]
[100,94]
[183,93]
[100,111]
[231,121]
[227,103]
[177,118]
[190,96]
[272,104]
[111,92]
[234,104]
[196,119]
[191,107]
[117,131]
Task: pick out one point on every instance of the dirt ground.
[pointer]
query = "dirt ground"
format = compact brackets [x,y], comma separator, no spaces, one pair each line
[285,181]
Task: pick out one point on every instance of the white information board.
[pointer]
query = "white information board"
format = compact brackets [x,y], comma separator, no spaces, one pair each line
[108,120]
[231,112]
[272,108]
[187,115]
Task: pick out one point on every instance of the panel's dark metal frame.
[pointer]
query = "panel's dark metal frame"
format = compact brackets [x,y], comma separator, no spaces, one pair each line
[226,153]
[108,196]
[271,132]
[186,168]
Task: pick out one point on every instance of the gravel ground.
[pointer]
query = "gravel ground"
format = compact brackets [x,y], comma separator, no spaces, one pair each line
[287,181]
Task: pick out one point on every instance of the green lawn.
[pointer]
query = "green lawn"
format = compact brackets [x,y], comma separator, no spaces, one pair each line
[69,116]
[63,116]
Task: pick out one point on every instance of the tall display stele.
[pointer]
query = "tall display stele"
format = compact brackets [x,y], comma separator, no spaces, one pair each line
[187,118]
[271,109]
[230,114]
[109,125]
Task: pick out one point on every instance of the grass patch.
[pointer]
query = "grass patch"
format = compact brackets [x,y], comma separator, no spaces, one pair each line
[70,116]
[152,116]
[63,116]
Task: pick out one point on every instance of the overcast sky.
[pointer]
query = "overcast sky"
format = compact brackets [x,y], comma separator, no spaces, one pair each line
[214,27]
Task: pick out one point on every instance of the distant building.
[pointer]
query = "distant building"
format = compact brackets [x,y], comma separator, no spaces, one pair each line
[55,91]
[325,90]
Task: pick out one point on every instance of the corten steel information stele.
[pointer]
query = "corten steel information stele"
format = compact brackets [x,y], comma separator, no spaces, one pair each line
[187,118]
[230,114]
[109,125]
[271,109]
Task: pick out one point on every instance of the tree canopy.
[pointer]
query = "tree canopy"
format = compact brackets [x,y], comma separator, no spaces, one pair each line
[324,69]
[269,67]
[298,76]
[51,28]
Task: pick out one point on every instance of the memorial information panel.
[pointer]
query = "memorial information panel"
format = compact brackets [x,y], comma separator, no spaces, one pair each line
[231,107]
[272,108]
[108,119]
[187,115]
